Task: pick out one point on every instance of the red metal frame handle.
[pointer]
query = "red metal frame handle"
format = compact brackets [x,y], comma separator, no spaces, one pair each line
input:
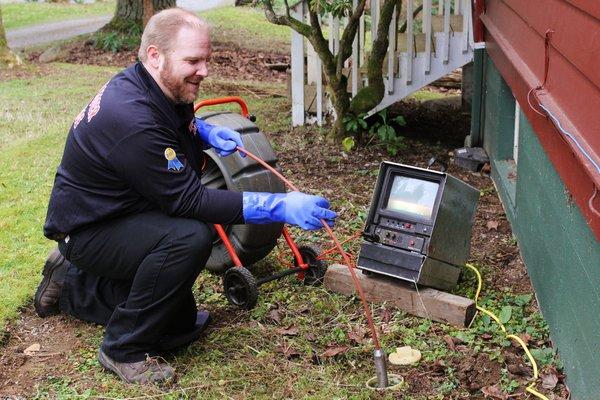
[228,245]
[224,100]
[294,247]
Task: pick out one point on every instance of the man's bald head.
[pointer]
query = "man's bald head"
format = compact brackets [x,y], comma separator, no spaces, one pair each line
[163,27]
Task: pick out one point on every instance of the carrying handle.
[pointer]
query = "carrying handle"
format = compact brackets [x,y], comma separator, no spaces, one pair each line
[224,100]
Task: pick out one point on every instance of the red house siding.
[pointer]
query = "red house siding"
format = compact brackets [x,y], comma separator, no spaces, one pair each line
[514,35]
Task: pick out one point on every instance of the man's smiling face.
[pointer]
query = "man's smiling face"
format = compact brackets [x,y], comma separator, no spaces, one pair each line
[184,66]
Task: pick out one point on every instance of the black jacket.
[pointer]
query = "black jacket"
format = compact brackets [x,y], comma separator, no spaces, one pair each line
[131,150]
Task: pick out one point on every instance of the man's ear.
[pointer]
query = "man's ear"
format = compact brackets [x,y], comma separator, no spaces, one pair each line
[153,56]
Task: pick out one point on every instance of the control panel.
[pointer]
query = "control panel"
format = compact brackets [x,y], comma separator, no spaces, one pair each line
[399,239]
[405,226]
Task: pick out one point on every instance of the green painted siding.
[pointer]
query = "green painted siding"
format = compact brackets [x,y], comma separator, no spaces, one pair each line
[560,251]
[498,133]
[498,114]
[563,260]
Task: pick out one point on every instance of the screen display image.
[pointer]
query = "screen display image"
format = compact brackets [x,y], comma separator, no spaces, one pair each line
[412,196]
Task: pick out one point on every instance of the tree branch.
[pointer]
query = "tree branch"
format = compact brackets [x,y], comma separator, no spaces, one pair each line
[415,13]
[286,20]
[380,44]
[349,34]
[321,45]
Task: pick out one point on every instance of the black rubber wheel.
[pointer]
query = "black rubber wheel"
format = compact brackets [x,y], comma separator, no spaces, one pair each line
[240,287]
[315,274]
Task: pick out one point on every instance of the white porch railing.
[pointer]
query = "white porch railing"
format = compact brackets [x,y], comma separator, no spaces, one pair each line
[436,41]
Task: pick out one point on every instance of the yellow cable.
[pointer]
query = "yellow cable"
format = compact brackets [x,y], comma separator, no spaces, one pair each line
[531,386]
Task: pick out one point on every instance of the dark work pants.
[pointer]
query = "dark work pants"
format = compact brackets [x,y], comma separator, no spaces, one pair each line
[135,275]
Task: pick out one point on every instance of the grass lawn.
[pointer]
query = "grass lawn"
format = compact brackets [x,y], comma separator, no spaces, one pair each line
[34,120]
[17,15]
[246,27]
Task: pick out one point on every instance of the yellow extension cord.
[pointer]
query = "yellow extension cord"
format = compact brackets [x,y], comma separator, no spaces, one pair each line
[531,386]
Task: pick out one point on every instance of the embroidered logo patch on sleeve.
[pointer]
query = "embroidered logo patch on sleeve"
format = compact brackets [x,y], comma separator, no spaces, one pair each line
[173,164]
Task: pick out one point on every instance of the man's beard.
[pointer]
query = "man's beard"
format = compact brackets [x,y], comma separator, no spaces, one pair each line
[176,86]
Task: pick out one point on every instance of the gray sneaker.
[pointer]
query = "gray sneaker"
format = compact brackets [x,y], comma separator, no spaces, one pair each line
[48,292]
[151,370]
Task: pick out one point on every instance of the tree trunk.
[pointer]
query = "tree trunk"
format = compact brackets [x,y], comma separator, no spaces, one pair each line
[148,11]
[7,57]
[133,10]
[124,30]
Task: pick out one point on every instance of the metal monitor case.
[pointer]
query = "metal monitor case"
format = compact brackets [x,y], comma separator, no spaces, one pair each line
[423,249]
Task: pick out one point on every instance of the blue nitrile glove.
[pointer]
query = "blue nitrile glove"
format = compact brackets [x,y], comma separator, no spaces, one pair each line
[222,139]
[294,208]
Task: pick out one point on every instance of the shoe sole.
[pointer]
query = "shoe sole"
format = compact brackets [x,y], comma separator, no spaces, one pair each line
[54,261]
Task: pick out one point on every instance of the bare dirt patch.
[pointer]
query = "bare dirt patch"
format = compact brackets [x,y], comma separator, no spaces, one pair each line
[227,61]
[24,72]
[23,365]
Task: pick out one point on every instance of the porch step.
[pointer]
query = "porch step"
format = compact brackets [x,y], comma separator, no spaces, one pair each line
[456,23]
[405,84]
[418,46]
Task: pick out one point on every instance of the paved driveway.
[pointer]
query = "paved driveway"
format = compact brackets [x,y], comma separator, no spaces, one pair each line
[49,32]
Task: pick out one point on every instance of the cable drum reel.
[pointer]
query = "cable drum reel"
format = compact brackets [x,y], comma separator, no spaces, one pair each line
[250,242]
[242,174]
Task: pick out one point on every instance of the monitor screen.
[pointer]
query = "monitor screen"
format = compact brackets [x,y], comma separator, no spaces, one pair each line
[412,196]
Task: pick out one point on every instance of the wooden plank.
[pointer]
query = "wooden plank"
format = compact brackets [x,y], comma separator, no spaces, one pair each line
[426,302]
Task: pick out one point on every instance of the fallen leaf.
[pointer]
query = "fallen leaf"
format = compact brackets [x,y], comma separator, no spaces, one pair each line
[462,348]
[303,310]
[291,330]
[275,315]
[549,380]
[494,392]
[32,350]
[449,342]
[287,350]
[311,337]
[492,225]
[386,316]
[385,328]
[357,334]
[439,366]
[487,336]
[334,351]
